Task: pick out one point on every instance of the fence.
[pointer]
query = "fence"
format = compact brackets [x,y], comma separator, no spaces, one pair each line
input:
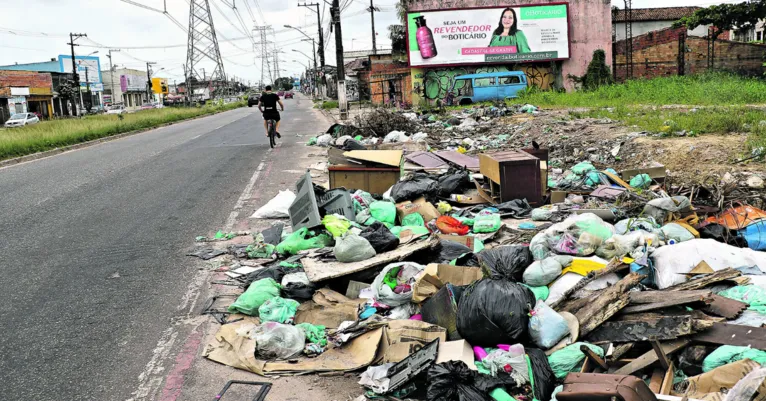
[671,51]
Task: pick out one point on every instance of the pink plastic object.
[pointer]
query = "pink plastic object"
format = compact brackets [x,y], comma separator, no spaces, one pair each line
[417,317]
[479,353]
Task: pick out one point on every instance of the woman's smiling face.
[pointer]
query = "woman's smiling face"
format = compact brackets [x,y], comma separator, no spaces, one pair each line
[507,19]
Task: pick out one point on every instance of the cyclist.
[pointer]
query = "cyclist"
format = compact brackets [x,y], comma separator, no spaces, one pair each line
[268,106]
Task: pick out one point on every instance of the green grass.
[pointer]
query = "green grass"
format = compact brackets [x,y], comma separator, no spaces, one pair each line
[53,134]
[707,120]
[327,105]
[707,89]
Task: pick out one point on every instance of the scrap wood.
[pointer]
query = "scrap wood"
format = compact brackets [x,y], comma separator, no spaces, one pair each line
[594,357]
[676,299]
[613,266]
[318,271]
[650,357]
[620,350]
[663,328]
[607,304]
[732,334]
[701,282]
[726,307]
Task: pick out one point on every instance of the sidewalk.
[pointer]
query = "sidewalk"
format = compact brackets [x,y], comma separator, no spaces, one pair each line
[196,378]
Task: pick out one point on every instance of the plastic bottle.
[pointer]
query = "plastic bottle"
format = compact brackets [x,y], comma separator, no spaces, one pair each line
[425,39]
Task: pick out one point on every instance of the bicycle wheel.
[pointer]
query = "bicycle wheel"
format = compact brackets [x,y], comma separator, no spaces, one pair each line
[272,134]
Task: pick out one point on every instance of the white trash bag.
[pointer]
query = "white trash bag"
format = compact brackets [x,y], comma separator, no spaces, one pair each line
[277,208]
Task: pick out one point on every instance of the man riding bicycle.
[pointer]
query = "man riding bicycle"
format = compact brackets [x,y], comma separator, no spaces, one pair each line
[268,106]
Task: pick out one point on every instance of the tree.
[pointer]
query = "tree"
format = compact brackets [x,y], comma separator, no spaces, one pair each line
[725,17]
[398,33]
[284,84]
[597,74]
[68,92]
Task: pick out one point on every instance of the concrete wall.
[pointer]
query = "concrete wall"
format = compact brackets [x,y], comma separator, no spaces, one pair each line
[642,27]
[590,27]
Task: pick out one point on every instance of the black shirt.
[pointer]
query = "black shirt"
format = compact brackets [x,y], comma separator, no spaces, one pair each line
[269,101]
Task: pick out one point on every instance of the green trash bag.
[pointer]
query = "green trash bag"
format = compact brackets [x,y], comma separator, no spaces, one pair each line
[582,168]
[312,141]
[641,181]
[752,295]
[278,309]
[260,251]
[314,334]
[297,242]
[384,212]
[417,231]
[466,220]
[570,359]
[413,219]
[727,354]
[488,223]
[592,179]
[337,225]
[541,293]
[259,292]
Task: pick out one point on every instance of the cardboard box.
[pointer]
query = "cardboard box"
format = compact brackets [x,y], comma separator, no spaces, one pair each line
[466,240]
[420,205]
[375,180]
[404,337]
[436,276]
[656,173]
[458,350]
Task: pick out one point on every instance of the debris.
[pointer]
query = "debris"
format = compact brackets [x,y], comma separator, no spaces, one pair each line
[256,295]
[352,248]
[454,381]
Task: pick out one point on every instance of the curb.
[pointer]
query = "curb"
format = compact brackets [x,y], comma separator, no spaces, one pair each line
[329,116]
[52,152]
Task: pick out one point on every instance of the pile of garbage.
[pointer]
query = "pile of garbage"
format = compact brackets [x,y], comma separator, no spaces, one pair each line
[443,283]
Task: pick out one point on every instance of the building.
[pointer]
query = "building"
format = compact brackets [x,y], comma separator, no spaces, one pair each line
[654,19]
[754,34]
[126,86]
[25,92]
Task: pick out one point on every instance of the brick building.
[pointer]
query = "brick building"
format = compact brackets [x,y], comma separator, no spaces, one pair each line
[673,52]
[25,92]
[653,19]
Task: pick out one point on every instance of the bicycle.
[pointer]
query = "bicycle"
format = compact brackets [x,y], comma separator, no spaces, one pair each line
[272,130]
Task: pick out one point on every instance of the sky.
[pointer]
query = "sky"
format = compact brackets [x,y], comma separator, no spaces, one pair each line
[37,30]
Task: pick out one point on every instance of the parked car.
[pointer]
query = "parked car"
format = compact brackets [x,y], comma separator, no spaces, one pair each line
[281,93]
[21,119]
[253,99]
[491,86]
[116,109]
[289,95]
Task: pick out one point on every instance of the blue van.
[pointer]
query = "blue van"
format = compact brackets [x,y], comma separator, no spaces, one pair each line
[490,86]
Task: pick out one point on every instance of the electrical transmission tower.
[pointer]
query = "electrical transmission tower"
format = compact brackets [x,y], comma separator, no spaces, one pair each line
[203,46]
[264,51]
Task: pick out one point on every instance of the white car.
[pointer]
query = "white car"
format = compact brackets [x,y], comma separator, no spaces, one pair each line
[22,119]
[117,109]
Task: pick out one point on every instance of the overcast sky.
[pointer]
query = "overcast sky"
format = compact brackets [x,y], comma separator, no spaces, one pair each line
[37,30]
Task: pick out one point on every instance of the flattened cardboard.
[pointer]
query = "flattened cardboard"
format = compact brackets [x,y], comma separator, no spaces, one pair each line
[458,350]
[708,386]
[404,337]
[387,157]
[354,288]
[328,308]
[466,240]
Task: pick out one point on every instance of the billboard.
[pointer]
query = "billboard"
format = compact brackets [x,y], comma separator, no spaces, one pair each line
[488,35]
[133,83]
[160,86]
[89,63]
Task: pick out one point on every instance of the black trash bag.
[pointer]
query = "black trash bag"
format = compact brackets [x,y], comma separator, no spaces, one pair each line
[299,291]
[353,144]
[545,380]
[722,234]
[415,186]
[454,381]
[273,234]
[451,250]
[494,312]
[380,237]
[468,260]
[453,182]
[517,208]
[507,262]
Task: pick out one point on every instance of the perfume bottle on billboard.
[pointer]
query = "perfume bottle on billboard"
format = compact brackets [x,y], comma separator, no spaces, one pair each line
[425,39]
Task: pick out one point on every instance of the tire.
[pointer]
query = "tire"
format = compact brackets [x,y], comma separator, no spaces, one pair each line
[272,134]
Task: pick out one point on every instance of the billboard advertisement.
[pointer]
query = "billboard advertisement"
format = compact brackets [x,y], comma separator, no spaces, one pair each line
[133,83]
[160,86]
[488,35]
[89,63]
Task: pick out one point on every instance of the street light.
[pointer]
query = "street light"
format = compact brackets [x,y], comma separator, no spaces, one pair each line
[92,53]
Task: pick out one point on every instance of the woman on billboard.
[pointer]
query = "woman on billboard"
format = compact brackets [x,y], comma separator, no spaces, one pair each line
[506,34]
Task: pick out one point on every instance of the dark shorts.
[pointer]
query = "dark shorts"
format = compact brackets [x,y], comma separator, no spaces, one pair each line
[271,115]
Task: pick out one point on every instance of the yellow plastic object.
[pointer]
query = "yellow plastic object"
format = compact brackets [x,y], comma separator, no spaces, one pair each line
[462,150]
[583,267]
[443,207]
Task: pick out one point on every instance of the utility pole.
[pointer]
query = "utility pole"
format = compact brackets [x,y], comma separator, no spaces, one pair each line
[372,10]
[341,71]
[111,73]
[149,81]
[319,28]
[75,76]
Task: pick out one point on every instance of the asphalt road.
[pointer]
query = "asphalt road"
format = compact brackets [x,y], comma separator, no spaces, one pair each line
[92,246]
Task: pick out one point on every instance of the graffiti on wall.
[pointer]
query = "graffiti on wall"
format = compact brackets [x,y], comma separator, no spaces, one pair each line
[435,83]
[352,90]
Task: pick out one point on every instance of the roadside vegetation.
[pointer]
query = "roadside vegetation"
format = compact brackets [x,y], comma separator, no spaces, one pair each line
[49,135]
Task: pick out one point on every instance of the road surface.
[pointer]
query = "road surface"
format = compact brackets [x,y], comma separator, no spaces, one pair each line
[93,244]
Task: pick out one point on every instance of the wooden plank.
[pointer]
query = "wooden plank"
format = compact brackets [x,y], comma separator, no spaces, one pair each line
[702,282]
[655,383]
[674,300]
[661,356]
[607,304]
[614,265]
[664,328]
[317,270]
[593,357]
[650,357]
[620,350]
[667,382]
[725,307]
[732,334]
[650,297]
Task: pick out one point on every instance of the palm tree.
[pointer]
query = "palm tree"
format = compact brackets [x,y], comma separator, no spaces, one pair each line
[398,33]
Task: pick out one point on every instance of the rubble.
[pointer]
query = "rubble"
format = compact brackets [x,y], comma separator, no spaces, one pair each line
[513,256]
